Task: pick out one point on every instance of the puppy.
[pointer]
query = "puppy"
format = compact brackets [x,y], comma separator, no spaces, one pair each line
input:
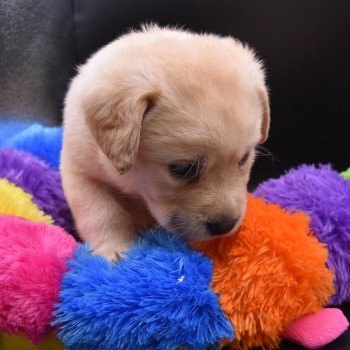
[160,127]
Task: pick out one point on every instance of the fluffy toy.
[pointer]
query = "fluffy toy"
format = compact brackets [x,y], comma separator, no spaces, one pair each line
[171,303]
[325,196]
[10,128]
[158,297]
[278,270]
[38,179]
[43,142]
[14,201]
[33,259]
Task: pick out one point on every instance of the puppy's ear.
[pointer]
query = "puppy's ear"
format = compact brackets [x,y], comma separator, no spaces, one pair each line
[265,124]
[114,114]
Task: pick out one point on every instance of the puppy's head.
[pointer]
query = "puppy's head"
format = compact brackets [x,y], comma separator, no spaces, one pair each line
[180,116]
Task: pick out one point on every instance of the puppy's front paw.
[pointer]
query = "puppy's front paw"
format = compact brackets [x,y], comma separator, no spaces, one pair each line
[111,252]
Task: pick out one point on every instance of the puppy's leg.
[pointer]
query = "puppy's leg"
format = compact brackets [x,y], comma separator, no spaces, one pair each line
[100,218]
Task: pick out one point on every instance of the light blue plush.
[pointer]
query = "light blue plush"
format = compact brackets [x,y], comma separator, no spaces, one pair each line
[43,142]
[9,128]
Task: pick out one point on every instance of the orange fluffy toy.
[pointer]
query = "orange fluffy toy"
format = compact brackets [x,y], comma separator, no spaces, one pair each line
[268,274]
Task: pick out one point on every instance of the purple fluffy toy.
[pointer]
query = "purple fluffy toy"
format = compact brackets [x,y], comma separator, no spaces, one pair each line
[325,196]
[40,180]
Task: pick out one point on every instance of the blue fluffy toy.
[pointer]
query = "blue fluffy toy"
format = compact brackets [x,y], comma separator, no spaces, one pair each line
[43,142]
[158,297]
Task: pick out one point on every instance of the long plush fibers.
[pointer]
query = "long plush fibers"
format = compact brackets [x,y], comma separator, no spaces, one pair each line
[269,273]
[43,142]
[14,201]
[33,257]
[157,297]
[38,179]
[10,127]
[325,196]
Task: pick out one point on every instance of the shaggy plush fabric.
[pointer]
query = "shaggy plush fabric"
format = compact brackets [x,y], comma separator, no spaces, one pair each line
[43,142]
[33,257]
[271,272]
[158,297]
[40,180]
[325,196]
[14,201]
[10,127]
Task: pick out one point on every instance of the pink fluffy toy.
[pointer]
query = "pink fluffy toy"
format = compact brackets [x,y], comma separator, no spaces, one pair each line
[33,260]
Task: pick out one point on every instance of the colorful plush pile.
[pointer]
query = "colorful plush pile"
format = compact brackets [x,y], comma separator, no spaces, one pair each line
[278,270]
[245,291]
[325,197]
[39,180]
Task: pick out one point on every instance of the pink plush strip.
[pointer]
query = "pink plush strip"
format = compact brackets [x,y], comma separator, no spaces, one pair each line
[33,260]
[317,330]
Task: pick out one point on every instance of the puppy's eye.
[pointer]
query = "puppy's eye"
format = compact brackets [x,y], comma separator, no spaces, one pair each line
[244,159]
[182,169]
[186,170]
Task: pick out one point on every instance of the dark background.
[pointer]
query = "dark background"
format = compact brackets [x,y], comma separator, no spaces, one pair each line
[305,46]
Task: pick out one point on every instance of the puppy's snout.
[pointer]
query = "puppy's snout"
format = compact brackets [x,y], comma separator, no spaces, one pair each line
[220,226]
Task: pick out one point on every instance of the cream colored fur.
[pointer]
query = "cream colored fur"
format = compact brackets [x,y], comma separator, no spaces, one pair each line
[149,99]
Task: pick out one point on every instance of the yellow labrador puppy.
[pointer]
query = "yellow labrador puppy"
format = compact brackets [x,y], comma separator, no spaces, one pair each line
[160,126]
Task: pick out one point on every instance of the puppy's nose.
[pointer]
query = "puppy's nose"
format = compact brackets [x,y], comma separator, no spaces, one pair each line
[221,226]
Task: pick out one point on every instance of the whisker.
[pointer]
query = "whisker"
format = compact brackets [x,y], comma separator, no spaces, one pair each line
[181,229]
[262,151]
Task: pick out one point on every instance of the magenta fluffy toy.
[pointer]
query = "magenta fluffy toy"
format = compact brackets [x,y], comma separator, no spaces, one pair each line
[32,264]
